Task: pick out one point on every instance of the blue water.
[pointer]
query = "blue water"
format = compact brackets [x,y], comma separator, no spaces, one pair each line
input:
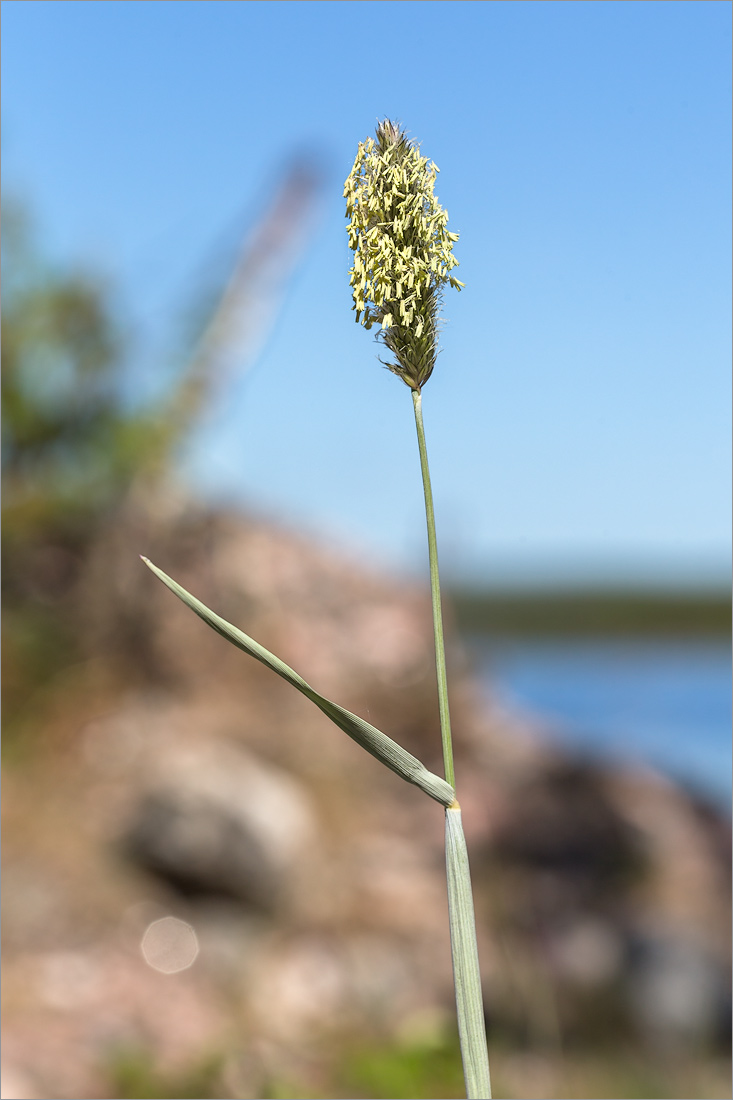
[665,703]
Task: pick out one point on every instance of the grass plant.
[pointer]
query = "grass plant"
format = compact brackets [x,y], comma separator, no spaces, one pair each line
[403,258]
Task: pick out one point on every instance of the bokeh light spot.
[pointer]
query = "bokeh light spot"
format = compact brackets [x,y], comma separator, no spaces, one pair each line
[169,945]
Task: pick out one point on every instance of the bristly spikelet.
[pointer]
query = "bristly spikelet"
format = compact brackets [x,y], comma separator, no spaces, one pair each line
[403,252]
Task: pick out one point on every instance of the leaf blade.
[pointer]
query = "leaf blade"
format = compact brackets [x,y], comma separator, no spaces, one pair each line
[378,744]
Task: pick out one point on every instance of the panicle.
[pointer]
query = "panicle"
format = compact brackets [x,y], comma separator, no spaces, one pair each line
[403,251]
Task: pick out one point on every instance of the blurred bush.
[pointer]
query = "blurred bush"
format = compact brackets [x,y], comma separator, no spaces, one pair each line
[70,447]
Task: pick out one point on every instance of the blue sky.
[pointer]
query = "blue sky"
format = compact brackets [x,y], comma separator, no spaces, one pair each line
[578,420]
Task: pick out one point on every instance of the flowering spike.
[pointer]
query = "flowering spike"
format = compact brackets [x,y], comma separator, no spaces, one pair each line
[403,252]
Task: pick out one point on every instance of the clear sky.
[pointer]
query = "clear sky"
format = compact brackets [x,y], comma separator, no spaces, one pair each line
[579,416]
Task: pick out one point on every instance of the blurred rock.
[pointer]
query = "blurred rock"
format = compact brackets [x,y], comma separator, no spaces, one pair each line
[214,820]
[678,991]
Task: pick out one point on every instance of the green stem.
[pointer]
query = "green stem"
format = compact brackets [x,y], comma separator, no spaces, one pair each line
[464,949]
[435,591]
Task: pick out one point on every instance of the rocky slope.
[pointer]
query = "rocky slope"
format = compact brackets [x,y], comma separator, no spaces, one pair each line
[173,776]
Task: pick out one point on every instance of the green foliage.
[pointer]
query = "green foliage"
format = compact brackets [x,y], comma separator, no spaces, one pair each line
[403,1071]
[374,1069]
[134,1076]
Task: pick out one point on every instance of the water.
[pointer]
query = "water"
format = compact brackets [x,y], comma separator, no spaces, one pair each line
[665,703]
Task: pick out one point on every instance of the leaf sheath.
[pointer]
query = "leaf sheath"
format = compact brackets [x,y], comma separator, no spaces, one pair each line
[466,974]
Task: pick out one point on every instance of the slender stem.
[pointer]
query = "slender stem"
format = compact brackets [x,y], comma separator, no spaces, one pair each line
[464,949]
[435,591]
